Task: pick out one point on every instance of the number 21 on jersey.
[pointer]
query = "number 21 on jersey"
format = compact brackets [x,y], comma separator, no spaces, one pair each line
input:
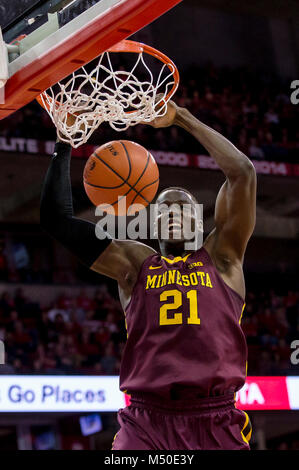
[177,318]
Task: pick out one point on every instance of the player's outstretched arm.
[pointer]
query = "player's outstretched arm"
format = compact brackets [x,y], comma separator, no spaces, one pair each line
[118,259]
[56,210]
[236,201]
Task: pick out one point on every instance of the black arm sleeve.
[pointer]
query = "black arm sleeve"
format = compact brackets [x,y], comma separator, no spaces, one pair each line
[56,211]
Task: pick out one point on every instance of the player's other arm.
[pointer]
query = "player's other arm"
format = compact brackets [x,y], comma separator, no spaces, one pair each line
[106,256]
[236,201]
[235,209]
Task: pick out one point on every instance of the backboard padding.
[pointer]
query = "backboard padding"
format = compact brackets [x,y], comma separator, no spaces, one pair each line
[68,49]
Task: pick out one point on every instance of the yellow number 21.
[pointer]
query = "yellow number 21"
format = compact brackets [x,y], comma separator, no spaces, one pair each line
[177,318]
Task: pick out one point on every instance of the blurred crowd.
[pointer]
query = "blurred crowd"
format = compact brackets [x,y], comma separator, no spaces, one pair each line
[251,109]
[86,334]
[33,258]
[72,335]
[290,443]
[270,324]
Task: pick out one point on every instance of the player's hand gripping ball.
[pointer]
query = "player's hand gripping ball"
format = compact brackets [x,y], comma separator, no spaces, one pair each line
[123,170]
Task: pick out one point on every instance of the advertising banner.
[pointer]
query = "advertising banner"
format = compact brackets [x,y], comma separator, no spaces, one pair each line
[73,393]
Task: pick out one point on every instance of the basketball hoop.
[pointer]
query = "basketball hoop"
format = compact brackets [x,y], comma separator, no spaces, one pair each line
[103,94]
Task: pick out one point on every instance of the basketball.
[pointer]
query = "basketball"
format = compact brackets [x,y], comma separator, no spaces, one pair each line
[121,169]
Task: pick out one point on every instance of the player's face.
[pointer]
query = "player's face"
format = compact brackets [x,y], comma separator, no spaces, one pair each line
[177,216]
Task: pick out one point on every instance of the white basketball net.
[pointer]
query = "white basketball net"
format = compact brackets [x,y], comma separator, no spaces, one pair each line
[105,95]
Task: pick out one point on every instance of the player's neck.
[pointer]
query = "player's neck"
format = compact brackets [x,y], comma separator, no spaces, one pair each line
[175,249]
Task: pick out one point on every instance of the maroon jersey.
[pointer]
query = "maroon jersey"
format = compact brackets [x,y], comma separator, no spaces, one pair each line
[183,327]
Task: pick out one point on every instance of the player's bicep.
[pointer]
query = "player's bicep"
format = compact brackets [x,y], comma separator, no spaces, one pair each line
[113,262]
[122,260]
[235,215]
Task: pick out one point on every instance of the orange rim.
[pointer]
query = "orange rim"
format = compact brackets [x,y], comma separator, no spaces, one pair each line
[134,46]
[40,101]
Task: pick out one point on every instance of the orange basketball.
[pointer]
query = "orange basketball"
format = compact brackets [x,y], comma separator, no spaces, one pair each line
[121,168]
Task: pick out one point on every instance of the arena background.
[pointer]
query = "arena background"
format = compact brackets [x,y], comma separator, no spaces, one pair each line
[237,63]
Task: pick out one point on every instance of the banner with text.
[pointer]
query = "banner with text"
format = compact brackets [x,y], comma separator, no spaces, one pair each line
[55,393]
[32,146]
[71,393]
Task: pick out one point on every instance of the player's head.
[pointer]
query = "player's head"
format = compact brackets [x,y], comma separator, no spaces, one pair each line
[178,216]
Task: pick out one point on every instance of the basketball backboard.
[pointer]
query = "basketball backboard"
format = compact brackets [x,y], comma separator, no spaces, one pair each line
[61,36]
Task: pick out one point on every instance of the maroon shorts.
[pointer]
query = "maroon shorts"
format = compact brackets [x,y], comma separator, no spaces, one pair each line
[205,424]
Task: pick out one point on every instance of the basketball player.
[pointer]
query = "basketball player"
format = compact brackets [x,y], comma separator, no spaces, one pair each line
[185,356]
